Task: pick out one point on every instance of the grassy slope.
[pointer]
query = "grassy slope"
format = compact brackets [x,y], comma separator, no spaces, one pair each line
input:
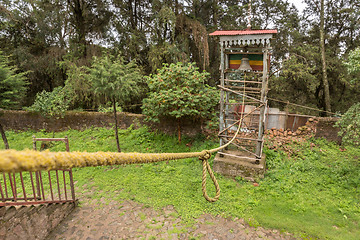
[313,193]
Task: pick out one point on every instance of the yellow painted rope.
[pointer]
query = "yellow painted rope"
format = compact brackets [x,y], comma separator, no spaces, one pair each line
[30,160]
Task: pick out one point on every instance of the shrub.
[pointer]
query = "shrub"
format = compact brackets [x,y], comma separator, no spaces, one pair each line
[51,104]
[179,91]
[350,126]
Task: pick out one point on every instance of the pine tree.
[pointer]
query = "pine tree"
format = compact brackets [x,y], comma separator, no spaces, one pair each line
[12,89]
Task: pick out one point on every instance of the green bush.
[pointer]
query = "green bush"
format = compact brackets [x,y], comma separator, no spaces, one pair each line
[178,91]
[350,126]
[51,104]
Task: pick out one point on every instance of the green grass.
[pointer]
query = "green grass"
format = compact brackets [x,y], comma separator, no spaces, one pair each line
[313,194]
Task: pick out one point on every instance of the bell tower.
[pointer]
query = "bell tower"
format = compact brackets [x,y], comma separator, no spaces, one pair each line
[244,66]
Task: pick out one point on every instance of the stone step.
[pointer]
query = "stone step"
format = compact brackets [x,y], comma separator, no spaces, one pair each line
[234,163]
[32,221]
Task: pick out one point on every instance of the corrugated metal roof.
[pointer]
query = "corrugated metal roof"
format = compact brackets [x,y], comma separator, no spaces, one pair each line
[242,32]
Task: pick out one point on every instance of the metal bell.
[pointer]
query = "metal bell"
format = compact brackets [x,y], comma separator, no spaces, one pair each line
[245,65]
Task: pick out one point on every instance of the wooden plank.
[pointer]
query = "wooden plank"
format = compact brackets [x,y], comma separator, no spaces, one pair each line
[246,88]
[228,52]
[222,93]
[250,139]
[239,93]
[230,70]
[239,103]
[242,81]
[244,158]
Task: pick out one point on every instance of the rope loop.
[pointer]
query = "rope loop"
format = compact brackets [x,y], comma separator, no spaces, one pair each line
[206,167]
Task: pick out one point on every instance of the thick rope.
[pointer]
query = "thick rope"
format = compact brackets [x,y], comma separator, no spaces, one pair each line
[30,160]
[206,166]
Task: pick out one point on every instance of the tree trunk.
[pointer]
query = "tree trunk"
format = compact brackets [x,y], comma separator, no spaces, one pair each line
[179,130]
[3,135]
[116,127]
[323,60]
[78,11]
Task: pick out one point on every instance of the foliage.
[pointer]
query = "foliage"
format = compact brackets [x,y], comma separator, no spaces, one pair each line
[78,85]
[51,104]
[41,34]
[119,82]
[353,63]
[13,85]
[350,126]
[109,108]
[179,91]
[312,194]
[112,78]
[297,78]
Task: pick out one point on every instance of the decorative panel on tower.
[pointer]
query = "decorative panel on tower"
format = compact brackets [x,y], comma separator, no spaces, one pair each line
[255,60]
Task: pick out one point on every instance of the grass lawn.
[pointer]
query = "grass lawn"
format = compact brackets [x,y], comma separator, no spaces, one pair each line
[313,194]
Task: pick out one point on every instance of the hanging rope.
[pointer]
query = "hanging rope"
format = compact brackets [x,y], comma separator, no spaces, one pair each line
[302,106]
[207,167]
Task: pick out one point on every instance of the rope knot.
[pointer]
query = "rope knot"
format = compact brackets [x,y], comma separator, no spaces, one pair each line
[206,154]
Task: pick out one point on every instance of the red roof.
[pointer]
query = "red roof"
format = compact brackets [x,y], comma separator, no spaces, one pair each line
[242,32]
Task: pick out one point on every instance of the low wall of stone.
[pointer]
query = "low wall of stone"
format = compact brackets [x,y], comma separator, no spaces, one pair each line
[325,129]
[23,120]
[32,222]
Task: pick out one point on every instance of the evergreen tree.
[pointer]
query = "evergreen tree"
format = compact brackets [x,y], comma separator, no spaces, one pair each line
[12,89]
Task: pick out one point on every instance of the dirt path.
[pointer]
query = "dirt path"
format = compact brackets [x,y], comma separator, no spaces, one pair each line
[131,220]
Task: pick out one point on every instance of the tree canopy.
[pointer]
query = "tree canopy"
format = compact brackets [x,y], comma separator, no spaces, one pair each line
[41,35]
[353,64]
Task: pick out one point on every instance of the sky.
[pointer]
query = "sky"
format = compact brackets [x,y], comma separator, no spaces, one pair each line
[298,4]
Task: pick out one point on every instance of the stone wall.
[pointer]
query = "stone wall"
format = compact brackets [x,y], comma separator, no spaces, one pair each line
[32,222]
[325,129]
[23,120]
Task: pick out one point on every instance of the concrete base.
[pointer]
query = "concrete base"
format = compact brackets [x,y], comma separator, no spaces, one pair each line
[237,163]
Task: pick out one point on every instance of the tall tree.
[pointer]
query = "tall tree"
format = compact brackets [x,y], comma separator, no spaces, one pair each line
[341,35]
[323,60]
[89,19]
[115,80]
[12,89]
